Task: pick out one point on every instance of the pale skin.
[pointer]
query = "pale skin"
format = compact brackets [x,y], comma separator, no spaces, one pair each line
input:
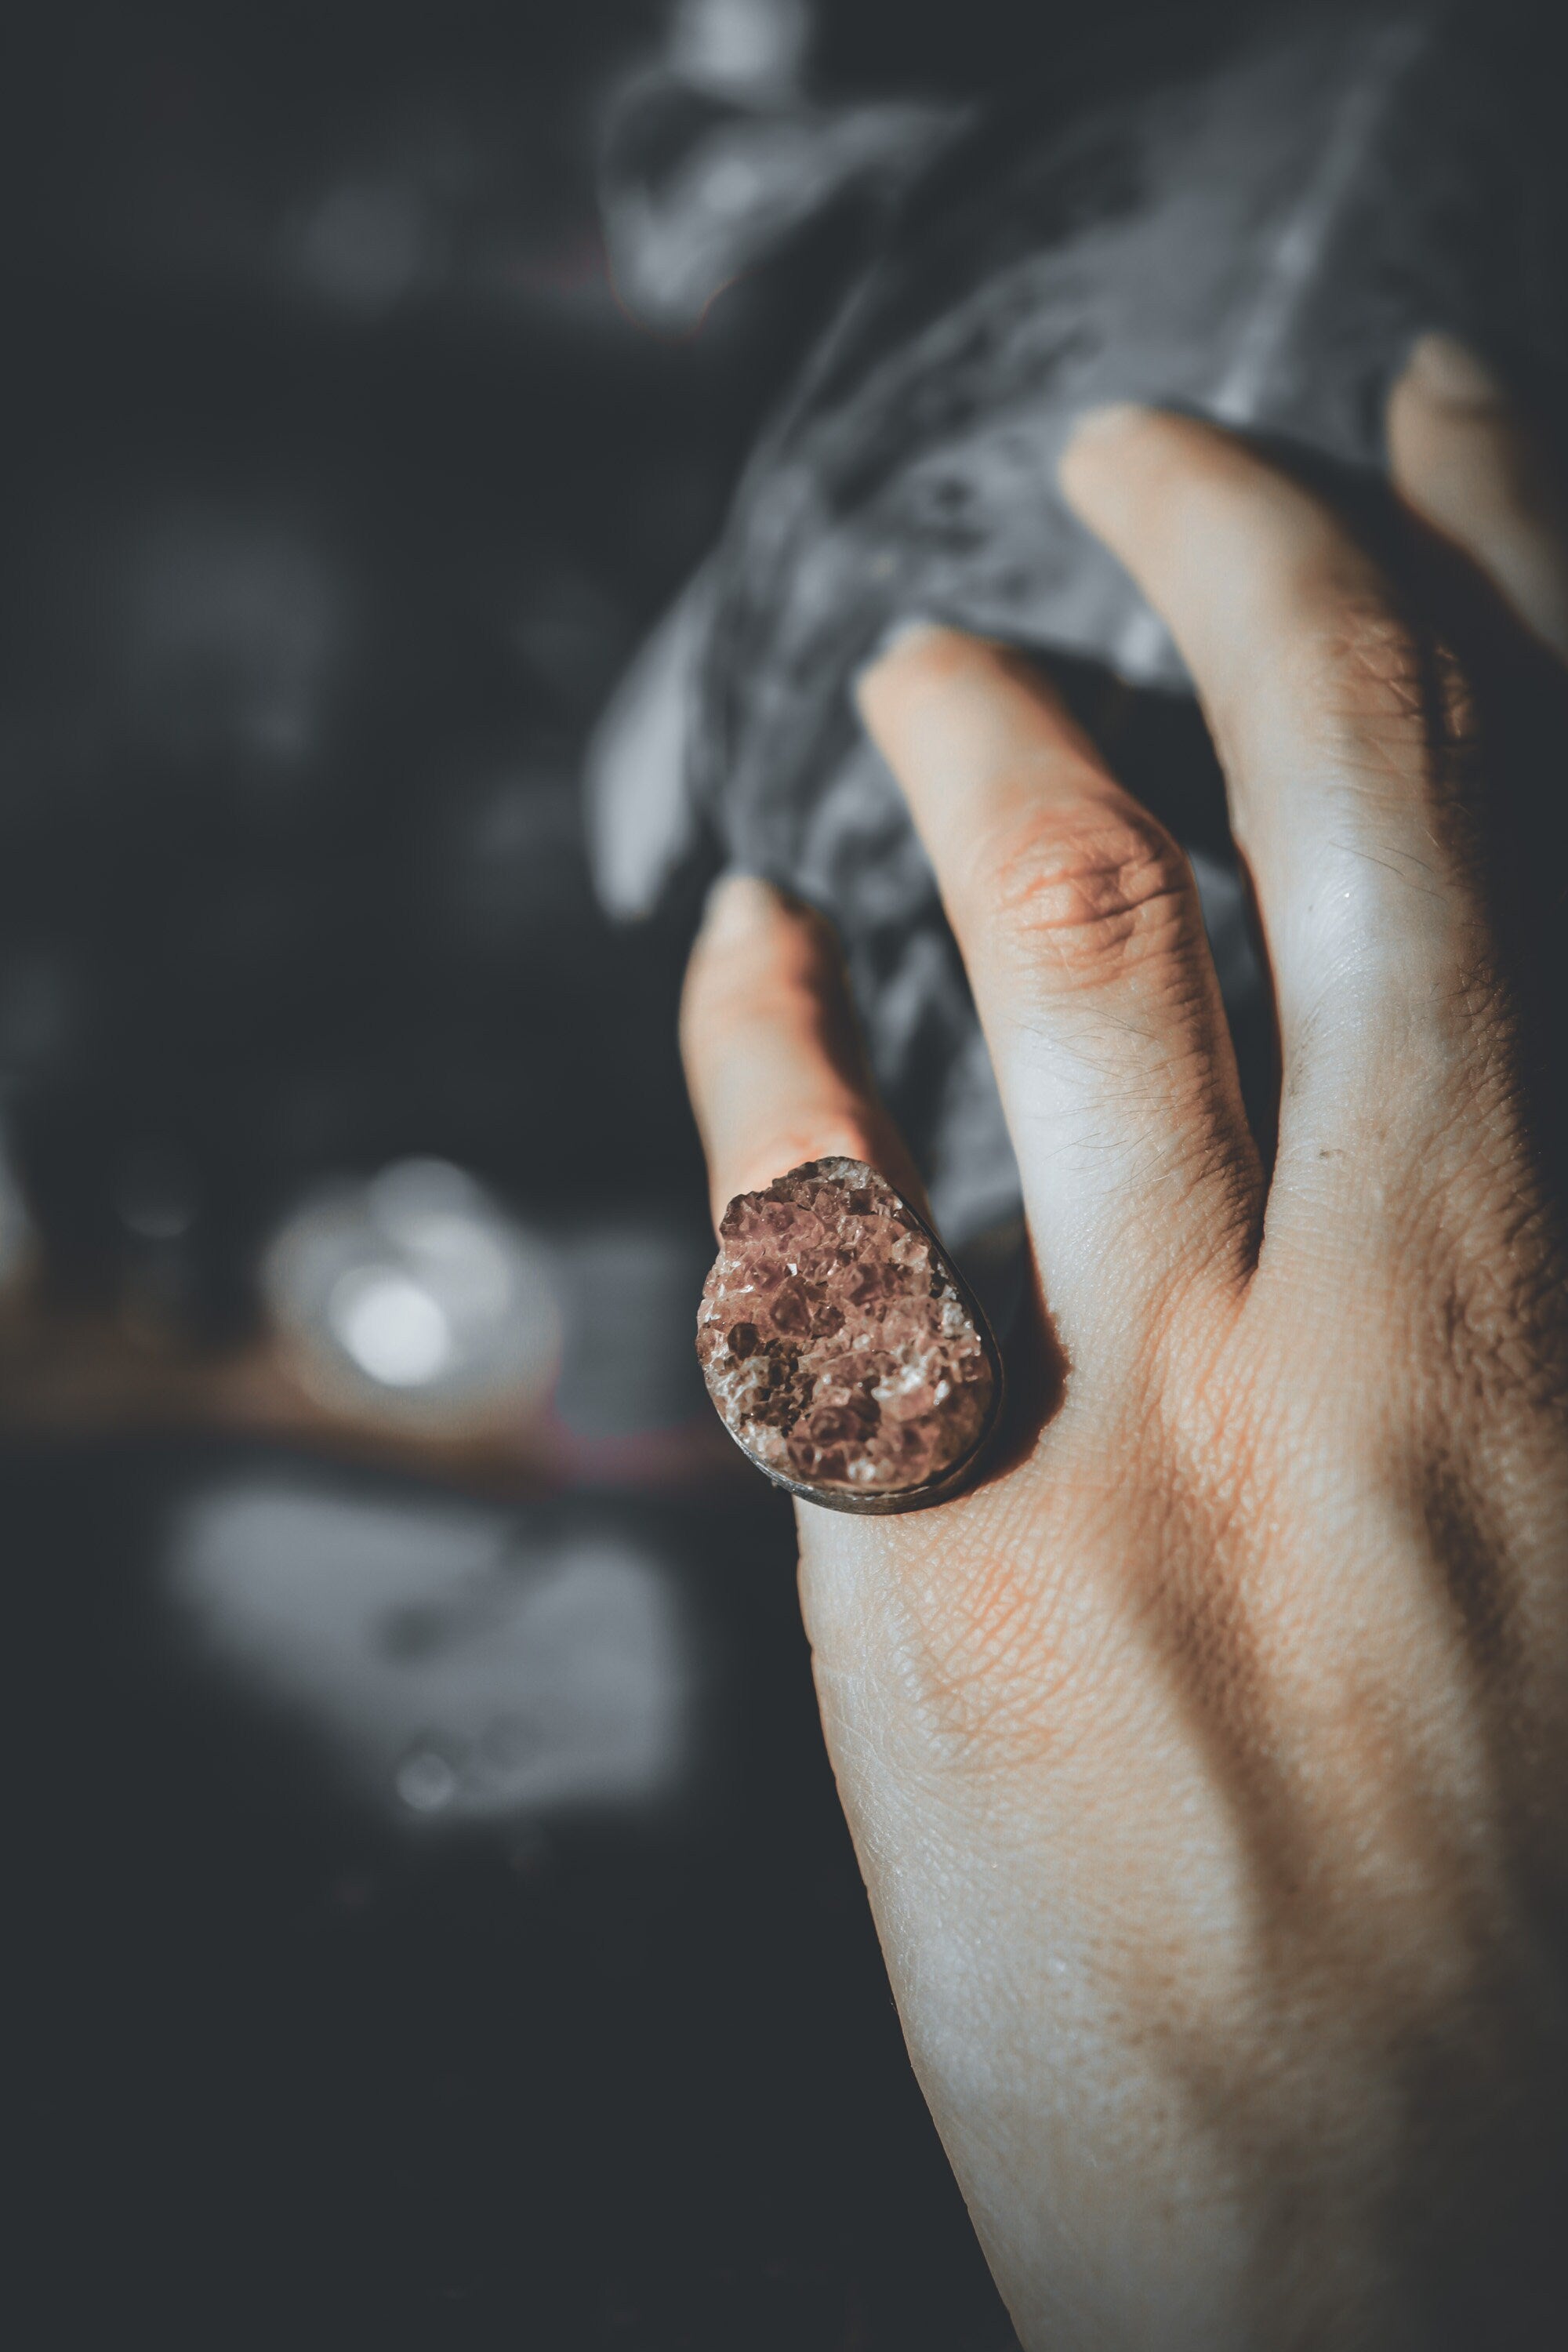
[1207,1762]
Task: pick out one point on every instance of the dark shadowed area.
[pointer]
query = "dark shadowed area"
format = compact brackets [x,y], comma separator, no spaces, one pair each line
[435,1925]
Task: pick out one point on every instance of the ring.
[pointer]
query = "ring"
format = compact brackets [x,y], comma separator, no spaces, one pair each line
[844,1352]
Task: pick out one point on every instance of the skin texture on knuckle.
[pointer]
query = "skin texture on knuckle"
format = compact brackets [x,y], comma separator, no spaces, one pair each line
[792,953]
[1391,717]
[782,996]
[1356,675]
[1087,901]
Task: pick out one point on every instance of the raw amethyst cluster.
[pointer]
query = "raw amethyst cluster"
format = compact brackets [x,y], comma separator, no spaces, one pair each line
[838,1344]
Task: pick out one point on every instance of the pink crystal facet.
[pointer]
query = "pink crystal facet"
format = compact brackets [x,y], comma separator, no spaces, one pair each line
[835,1343]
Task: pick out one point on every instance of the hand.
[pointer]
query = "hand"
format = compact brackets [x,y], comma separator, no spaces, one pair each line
[1208,1763]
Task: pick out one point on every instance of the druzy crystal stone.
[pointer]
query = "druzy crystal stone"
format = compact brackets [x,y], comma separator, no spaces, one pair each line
[837,1344]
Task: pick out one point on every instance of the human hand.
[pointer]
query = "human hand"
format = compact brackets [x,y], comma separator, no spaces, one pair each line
[1208,1761]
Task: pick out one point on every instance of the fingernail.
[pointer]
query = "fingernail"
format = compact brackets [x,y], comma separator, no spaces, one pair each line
[1448,371]
[1104,424]
[735,907]
[905,631]
[1095,429]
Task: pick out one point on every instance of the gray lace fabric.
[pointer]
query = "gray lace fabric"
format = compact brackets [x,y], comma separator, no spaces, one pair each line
[1257,237]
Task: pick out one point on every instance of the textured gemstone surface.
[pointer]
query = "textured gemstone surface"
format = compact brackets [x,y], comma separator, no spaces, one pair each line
[836,1346]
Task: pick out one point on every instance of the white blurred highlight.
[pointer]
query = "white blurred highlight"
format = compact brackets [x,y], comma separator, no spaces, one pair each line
[740,48]
[392,1329]
[416,1294]
[459,1668]
[640,819]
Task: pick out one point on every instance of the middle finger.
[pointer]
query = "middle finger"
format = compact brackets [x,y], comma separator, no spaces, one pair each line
[1079,926]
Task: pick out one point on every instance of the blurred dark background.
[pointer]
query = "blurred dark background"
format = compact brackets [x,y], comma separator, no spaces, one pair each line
[435,1923]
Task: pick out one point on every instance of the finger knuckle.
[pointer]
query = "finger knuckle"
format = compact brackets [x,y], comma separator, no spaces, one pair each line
[786,992]
[1089,900]
[1367,653]
[1377,689]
